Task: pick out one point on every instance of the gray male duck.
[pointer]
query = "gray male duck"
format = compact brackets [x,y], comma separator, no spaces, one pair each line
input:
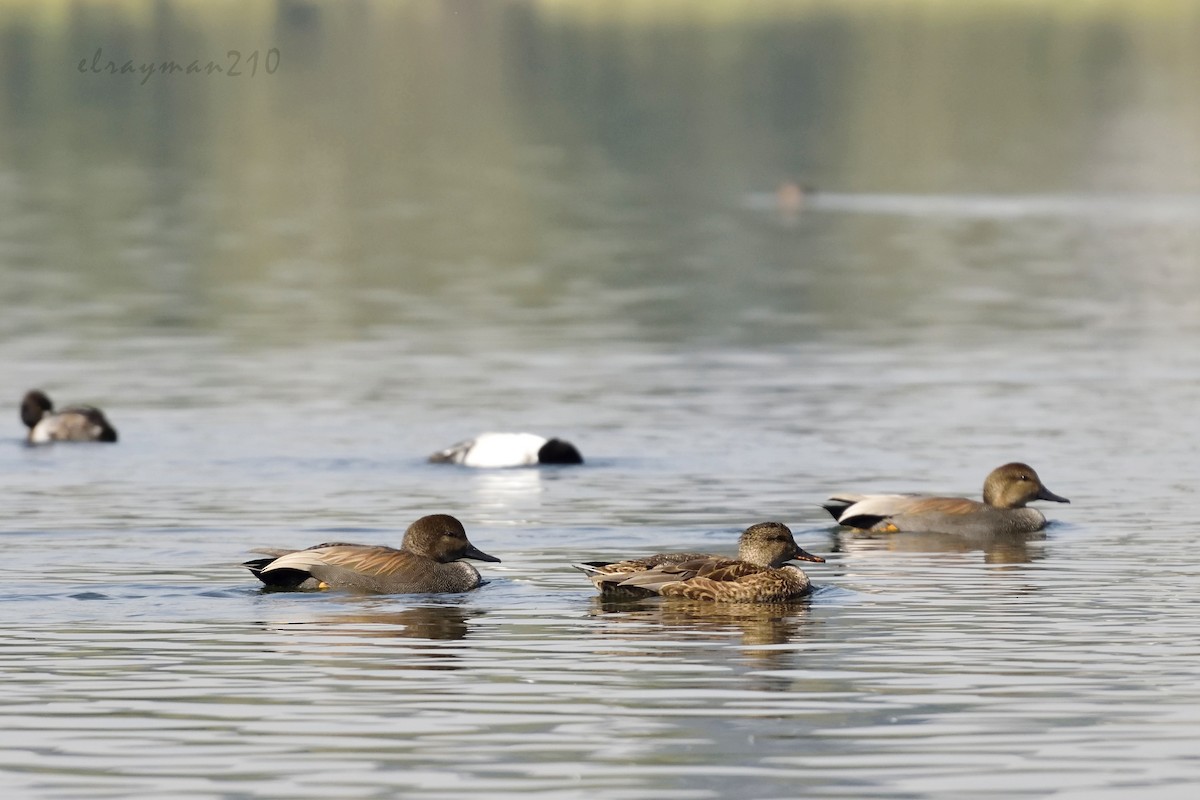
[1006,492]
[427,562]
[71,424]
[759,574]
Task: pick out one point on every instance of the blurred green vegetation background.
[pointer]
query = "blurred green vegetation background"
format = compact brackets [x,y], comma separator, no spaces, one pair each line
[417,147]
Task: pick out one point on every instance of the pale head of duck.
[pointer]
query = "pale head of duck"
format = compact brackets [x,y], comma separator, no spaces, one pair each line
[771,544]
[442,538]
[1013,485]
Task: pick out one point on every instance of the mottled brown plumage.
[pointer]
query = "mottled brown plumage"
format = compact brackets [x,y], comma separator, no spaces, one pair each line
[71,424]
[1006,492]
[758,574]
[426,562]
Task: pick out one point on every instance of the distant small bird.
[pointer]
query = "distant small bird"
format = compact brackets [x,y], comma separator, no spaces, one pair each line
[426,562]
[71,424]
[759,573]
[1006,491]
[508,450]
[791,197]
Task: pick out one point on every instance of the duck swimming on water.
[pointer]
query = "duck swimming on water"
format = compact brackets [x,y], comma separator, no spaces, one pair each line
[760,573]
[1006,492]
[71,424]
[497,450]
[427,561]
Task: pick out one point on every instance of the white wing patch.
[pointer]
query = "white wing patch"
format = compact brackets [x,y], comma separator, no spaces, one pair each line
[303,560]
[878,505]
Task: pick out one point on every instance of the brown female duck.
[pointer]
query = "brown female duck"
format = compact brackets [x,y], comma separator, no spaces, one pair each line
[72,424]
[1005,493]
[427,562]
[759,573]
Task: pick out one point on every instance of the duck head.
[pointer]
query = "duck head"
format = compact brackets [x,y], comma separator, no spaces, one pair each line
[1013,485]
[770,544]
[34,406]
[442,538]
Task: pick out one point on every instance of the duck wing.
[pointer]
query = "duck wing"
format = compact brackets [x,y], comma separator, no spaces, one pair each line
[373,568]
[610,573]
[377,560]
[711,567]
[839,505]
[759,585]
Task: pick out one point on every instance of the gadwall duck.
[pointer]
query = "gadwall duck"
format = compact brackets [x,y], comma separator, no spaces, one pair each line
[1005,493]
[758,574]
[427,562]
[509,450]
[72,424]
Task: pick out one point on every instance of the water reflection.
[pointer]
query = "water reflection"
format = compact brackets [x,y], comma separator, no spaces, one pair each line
[757,626]
[500,485]
[432,623]
[504,497]
[422,622]
[997,548]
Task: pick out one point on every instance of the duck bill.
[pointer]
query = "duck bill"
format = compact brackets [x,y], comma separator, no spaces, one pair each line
[804,555]
[1046,494]
[474,552]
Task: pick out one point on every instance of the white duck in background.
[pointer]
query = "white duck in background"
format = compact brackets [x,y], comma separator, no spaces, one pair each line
[494,450]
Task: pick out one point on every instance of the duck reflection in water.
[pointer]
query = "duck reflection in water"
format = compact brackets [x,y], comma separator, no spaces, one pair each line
[997,548]
[433,624]
[761,628]
[441,623]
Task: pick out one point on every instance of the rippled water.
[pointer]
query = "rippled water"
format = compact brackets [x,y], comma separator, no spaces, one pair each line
[283,329]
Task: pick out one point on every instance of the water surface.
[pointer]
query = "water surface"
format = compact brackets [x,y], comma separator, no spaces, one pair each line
[439,219]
